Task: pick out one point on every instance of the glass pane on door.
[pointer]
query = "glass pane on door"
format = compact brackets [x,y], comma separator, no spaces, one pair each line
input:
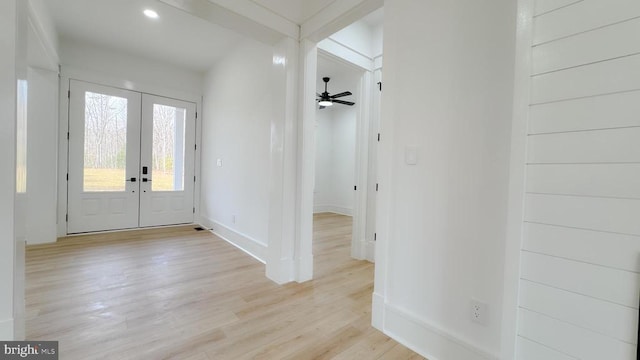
[105,142]
[168,152]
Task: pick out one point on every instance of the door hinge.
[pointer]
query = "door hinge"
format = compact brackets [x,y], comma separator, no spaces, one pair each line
[194,179]
[378,137]
[195,147]
[355,188]
[194,210]
[375,236]
[376,187]
[67,176]
[68,136]
[66,218]
[68,94]
[196,114]
[380,85]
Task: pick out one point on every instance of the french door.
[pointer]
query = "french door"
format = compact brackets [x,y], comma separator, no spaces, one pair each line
[131,159]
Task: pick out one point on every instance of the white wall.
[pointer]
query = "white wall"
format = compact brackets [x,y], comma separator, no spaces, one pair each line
[335,160]
[13,62]
[42,160]
[110,67]
[323,184]
[579,278]
[236,129]
[7,162]
[447,95]
[43,38]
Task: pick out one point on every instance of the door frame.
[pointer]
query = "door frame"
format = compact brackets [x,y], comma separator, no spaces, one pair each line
[69,72]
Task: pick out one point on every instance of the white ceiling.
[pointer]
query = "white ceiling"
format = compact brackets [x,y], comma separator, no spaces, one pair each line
[176,37]
[297,11]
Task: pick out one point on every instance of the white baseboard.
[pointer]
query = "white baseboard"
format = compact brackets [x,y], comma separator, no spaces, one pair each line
[282,271]
[243,242]
[377,311]
[427,339]
[332,209]
[6,330]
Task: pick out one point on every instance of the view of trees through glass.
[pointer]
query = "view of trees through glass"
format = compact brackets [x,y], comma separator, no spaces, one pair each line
[105,142]
[105,145]
[168,148]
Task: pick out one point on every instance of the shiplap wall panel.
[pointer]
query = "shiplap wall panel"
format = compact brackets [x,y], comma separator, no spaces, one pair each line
[593,213]
[529,350]
[603,146]
[613,285]
[601,180]
[587,47]
[569,339]
[592,113]
[582,16]
[580,258]
[545,6]
[600,248]
[596,315]
[617,75]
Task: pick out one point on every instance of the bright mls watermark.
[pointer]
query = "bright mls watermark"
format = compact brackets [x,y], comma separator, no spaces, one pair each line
[32,350]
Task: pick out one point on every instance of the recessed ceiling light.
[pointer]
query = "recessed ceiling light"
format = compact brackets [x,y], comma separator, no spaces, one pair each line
[151,14]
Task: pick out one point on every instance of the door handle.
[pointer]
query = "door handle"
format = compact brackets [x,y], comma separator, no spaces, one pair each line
[146,180]
[132,179]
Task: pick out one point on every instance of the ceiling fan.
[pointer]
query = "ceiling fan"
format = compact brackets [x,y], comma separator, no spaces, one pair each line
[325,99]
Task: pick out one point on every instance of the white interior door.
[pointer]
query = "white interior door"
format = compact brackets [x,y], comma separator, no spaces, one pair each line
[167,161]
[104,158]
[131,159]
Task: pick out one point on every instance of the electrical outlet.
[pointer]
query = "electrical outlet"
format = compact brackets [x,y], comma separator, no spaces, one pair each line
[479,312]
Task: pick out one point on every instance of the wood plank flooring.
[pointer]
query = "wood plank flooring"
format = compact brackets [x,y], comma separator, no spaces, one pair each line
[176,293]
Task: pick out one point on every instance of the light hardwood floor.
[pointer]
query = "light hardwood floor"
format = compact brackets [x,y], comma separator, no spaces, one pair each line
[176,293]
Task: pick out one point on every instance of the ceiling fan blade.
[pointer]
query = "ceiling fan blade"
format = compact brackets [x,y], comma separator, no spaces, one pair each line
[344,102]
[346,93]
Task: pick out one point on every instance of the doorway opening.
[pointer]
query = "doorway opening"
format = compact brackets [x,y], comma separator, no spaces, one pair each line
[335,183]
[346,137]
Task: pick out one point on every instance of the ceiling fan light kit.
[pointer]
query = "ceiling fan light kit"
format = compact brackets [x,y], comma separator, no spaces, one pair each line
[326,100]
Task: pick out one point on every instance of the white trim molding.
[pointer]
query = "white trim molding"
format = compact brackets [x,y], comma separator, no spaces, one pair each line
[337,16]
[517,178]
[242,16]
[342,51]
[428,339]
[340,210]
[249,245]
